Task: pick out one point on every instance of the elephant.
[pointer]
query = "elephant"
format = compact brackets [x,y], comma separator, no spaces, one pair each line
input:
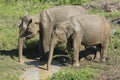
[28,28]
[43,24]
[52,16]
[87,30]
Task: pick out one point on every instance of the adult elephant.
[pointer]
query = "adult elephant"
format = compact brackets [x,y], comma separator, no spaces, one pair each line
[44,23]
[89,30]
[50,17]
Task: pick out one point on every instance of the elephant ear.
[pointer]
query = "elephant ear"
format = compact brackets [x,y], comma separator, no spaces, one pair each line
[29,21]
[26,20]
[69,29]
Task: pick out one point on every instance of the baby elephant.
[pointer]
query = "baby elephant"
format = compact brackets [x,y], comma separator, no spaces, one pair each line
[89,30]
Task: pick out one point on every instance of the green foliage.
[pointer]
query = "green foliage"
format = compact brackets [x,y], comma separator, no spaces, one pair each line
[71,74]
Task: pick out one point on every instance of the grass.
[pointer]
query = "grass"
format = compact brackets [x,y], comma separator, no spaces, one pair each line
[10,69]
[8,37]
[71,74]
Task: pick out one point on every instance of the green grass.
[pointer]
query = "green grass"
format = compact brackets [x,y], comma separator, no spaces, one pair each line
[9,68]
[8,37]
[72,74]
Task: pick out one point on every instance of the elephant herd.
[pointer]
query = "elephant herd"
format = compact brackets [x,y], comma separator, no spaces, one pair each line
[62,23]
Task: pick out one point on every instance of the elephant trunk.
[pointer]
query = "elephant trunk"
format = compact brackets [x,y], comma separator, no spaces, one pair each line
[52,45]
[20,49]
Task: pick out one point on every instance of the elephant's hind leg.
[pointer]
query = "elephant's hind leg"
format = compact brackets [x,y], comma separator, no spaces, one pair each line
[104,51]
[97,54]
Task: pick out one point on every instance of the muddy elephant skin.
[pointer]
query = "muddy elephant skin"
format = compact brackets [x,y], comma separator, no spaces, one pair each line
[89,30]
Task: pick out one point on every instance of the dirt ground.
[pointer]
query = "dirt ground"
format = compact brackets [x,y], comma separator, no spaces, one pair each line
[36,70]
[107,71]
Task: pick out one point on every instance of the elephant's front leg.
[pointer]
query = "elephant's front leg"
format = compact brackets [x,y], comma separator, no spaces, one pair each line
[76,47]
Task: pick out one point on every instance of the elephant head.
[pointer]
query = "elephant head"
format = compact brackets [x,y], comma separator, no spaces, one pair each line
[60,34]
[27,29]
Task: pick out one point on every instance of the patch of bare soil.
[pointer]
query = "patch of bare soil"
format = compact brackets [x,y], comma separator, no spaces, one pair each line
[36,70]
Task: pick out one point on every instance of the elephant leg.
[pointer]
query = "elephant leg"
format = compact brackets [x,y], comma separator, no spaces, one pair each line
[46,40]
[52,45]
[50,60]
[97,55]
[104,51]
[76,47]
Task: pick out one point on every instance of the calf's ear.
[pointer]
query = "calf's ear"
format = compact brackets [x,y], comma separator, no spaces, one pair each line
[30,21]
[69,31]
[68,28]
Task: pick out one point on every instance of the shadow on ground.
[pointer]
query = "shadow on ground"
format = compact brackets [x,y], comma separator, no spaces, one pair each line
[12,53]
[34,54]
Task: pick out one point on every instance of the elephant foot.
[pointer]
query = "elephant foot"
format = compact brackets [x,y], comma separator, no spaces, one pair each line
[82,59]
[103,60]
[76,64]
[21,61]
[96,60]
[48,68]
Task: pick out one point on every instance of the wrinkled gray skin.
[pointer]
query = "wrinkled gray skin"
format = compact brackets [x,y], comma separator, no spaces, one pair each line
[47,19]
[27,29]
[89,30]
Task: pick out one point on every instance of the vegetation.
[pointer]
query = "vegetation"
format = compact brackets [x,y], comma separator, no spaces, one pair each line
[71,74]
[9,68]
[10,14]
